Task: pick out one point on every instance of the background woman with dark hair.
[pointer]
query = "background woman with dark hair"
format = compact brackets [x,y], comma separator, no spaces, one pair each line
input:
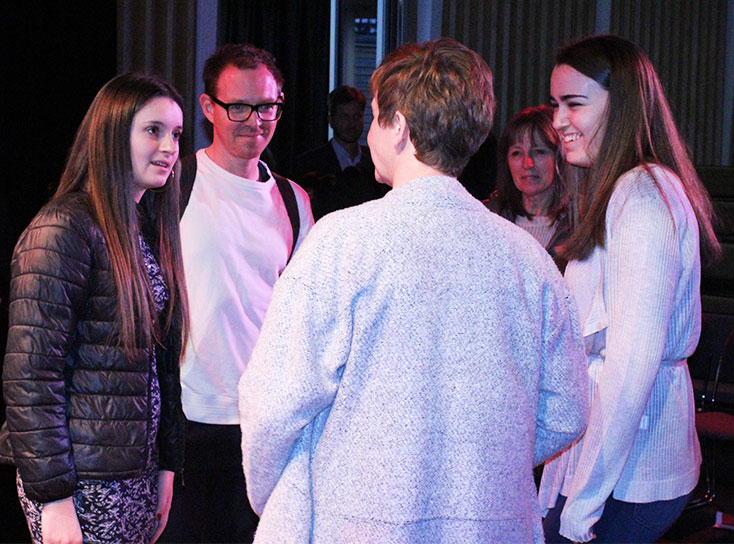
[642,220]
[98,315]
[530,179]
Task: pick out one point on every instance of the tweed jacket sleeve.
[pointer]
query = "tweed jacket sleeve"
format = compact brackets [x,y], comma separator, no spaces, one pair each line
[563,409]
[306,354]
[50,274]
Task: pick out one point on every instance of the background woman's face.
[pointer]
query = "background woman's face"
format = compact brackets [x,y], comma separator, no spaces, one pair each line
[532,164]
[580,105]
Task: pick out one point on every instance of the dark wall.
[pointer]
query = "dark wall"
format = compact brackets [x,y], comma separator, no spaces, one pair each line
[56,56]
[297,34]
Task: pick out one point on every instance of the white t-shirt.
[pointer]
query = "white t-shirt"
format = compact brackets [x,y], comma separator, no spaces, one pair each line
[236,238]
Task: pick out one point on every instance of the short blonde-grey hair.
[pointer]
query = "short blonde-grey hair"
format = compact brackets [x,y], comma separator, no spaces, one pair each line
[444,90]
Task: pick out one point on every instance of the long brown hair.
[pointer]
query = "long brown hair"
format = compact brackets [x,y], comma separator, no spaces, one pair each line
[537,123]
[100,164]
[244,56]
[640,130]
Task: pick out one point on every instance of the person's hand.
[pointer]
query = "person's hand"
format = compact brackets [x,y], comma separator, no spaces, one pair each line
[165,496]
[59,524]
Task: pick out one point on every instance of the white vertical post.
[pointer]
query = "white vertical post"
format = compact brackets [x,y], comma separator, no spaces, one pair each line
[430,19]
[333,28]
[381,24]
[206,42]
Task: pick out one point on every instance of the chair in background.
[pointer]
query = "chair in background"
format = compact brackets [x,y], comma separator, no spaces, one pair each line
[715,425]
[717,280]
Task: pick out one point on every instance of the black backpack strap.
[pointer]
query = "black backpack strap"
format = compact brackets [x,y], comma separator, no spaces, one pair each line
[188,175]
[186,181]
[291,205]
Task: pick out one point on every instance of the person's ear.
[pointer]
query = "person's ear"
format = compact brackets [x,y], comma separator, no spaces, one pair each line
[401,131]
[207,107]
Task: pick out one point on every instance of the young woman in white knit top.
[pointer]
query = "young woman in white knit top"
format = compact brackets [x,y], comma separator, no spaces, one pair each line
[641,225]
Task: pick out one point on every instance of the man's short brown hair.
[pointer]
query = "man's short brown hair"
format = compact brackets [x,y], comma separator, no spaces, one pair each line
[444,90]
[345,95]
[244,56]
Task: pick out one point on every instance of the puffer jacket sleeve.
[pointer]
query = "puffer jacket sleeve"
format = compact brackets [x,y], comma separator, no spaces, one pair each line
[48,291]
[171,430]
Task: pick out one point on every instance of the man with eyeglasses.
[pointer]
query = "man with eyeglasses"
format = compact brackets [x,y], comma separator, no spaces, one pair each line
[239,228]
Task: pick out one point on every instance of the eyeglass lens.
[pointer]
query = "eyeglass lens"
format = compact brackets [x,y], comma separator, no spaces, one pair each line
[242,112]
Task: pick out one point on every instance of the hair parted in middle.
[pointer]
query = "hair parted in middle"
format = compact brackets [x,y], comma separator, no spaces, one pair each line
[100,163]
[537,123]
[244,56]
[444,90]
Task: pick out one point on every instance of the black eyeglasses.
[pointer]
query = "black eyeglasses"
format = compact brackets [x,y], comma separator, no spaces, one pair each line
[240,112]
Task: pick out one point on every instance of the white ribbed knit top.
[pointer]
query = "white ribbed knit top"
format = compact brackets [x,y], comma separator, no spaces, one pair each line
[640,311]
[540,227]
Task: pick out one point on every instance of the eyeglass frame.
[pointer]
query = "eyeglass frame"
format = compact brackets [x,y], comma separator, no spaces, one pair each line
[253,108]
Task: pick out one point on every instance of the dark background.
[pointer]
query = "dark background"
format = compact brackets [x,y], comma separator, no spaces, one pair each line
[55,57]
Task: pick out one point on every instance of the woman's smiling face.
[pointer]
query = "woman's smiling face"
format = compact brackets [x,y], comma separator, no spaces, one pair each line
[580,112]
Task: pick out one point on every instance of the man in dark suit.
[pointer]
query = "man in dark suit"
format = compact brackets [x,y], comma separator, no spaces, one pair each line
[340,173]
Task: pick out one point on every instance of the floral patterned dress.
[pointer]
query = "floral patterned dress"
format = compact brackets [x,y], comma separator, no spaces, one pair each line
[118,511]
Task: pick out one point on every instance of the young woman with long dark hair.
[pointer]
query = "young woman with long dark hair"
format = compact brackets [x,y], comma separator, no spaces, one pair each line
[642,221]
[98,318]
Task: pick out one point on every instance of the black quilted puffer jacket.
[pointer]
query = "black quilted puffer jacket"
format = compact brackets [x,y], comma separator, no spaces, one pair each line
[77,407]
